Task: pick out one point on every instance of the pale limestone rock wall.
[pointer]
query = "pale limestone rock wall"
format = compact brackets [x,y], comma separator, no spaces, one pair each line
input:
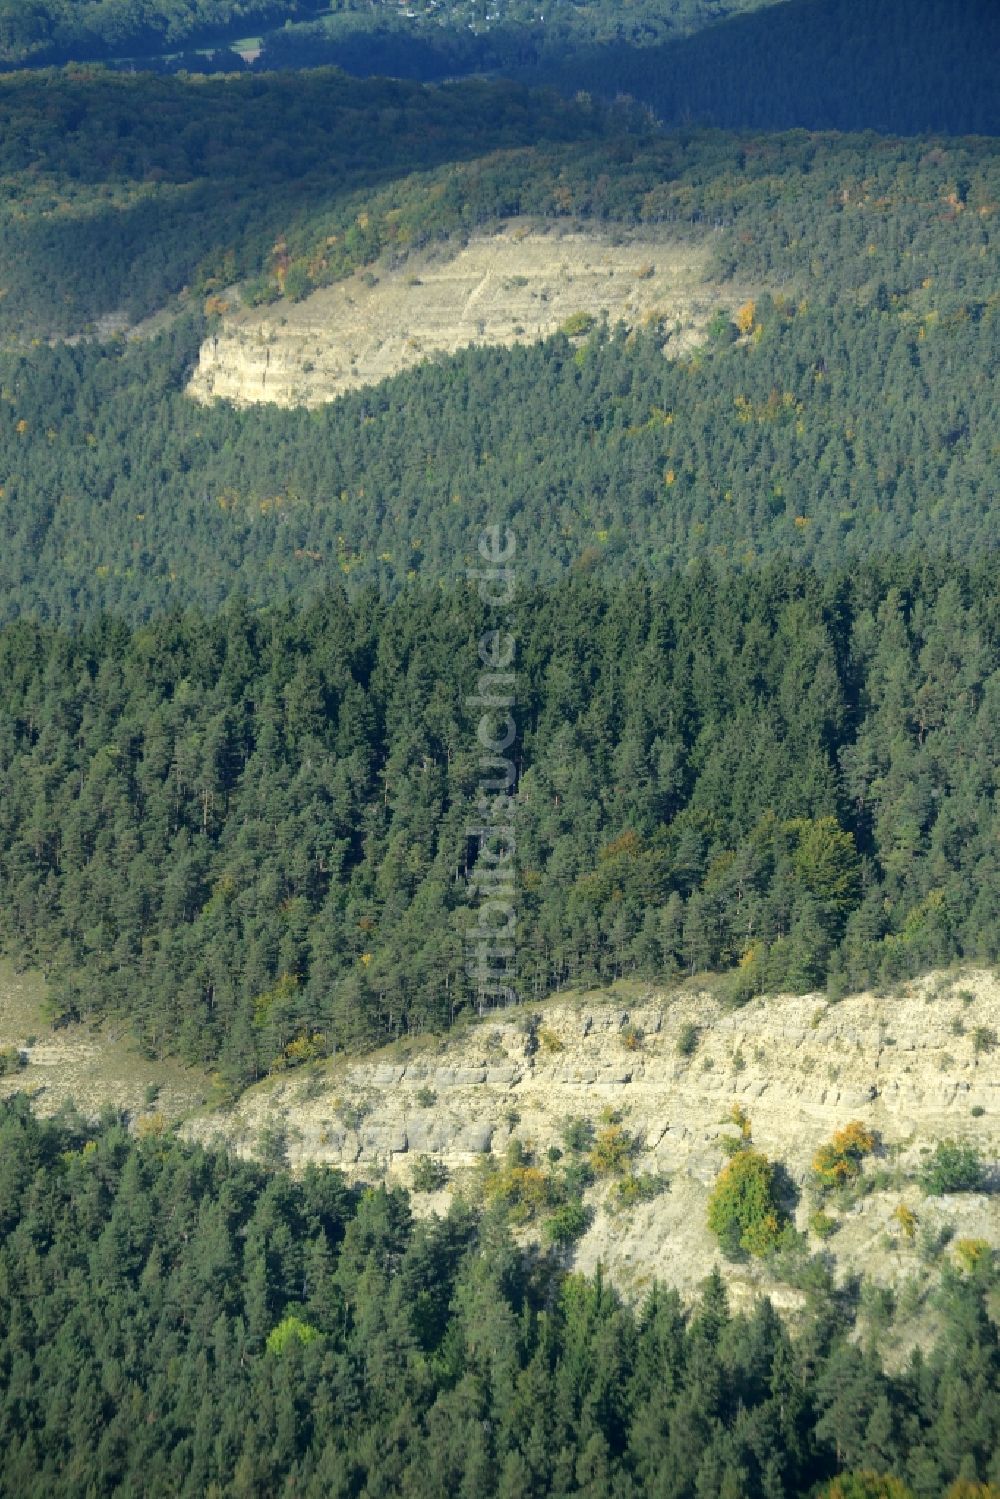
[517,285]
[905,1064]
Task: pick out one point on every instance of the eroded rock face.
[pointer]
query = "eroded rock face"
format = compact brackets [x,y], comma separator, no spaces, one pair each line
[517,285]
[800,1068]
[908,1064]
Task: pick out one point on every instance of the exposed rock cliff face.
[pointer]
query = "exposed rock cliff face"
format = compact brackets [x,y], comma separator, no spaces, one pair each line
[916,1065]
[907,1065]
[517,285]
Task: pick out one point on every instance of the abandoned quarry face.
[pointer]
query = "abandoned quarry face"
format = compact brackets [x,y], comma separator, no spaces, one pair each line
[516,285]
[676,1066]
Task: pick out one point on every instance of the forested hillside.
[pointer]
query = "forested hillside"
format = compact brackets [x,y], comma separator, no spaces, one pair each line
[64,30]
[900,66]
[853,416]
[815,444]
[893,65]
[250,834]
[180,1323]
[47,31]
[756,738]
[433,39]
[121,191]
[215,847]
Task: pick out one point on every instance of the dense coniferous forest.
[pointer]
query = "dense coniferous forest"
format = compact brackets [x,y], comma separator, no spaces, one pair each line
[252,833]
[757,672]
[176,1322]
[817,443]
[855,417]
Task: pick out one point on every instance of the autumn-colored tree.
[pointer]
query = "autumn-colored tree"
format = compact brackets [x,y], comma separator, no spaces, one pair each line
[972,1253]
[839,1161]
[906,1219]
[612,1149]
[745,317]
[743,1211]
[866,1485]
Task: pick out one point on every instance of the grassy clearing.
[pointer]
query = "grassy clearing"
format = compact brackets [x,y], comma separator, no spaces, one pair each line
[96,1068]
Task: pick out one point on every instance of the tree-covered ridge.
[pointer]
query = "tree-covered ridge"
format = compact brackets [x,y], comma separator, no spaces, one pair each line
[435,39]
[830,432]
[826,215]
[856,417]
[122,191]
[177,1322]
[893,65]
[87,126]
[250,834]
[906,66]
[47,31]
[59,30]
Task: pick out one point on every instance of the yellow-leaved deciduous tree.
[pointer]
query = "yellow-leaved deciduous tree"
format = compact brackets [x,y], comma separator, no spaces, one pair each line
[906,1219]
[746,316]
[743,1211]
[971,1253]
[521,1189]
[839,1161]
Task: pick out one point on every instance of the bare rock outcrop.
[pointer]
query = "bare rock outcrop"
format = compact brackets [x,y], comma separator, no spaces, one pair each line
[519,284]
[916,1066]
